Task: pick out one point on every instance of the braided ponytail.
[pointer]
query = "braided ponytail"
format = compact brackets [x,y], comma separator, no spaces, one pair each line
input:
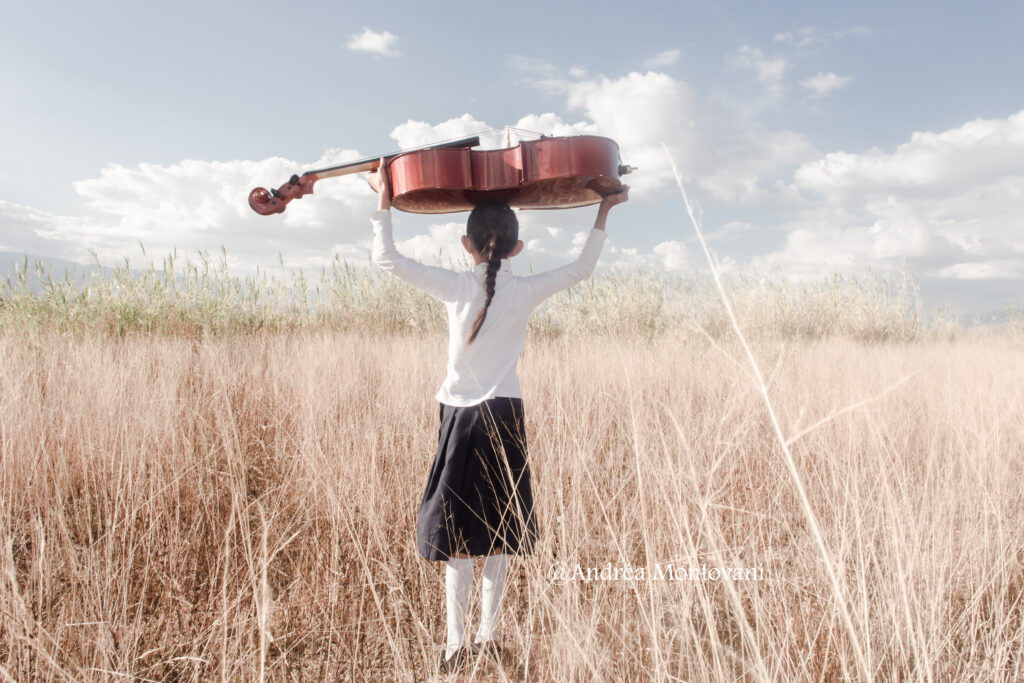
[494,229]
[493,263]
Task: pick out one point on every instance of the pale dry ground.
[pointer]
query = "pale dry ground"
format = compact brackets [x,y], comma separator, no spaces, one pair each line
[245,506]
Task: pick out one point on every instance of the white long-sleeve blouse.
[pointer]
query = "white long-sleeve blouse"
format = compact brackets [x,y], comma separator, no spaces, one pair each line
[487,367]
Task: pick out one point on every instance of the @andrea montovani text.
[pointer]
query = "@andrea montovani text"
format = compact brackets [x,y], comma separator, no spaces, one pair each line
[563,572]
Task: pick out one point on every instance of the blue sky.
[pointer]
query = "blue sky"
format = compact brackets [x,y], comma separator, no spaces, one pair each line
[817,137]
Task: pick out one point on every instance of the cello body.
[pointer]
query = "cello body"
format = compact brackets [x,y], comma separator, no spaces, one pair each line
[549,173]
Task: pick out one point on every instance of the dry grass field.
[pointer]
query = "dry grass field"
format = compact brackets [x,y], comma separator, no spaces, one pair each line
[196,485]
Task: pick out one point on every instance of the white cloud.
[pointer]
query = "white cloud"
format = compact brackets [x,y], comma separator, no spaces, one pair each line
[640,111]
[744,159]
[998,269]
[822,84]
[614,257]
[948,203]
[419,133]
[813,253]
[440,245]
[664,58]
[371,41]
[673,255]
[199,205]
[769,70]
[808,36]
[31,231]
[980,151]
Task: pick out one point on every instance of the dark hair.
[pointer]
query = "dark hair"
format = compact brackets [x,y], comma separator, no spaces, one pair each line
[494,230]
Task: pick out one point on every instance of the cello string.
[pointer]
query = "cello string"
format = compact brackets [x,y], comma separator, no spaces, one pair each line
[502,132]
[491,131]
[451,139]
[488,131]
[496,132]
[524,130]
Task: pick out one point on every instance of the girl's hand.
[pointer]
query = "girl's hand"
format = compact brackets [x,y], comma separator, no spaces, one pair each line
[381,184]
[607,202]
[610,200]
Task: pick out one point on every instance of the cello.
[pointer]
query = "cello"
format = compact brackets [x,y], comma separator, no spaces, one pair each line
[547,173]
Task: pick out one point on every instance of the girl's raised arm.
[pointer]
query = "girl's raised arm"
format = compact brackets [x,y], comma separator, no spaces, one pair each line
[543,285]
[439,283]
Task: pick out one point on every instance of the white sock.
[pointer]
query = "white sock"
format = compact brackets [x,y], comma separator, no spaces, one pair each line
[495,568]
[458,582]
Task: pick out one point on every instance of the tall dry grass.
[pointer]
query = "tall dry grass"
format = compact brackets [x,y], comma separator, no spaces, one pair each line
[196,298]
[212,477]
[242,506]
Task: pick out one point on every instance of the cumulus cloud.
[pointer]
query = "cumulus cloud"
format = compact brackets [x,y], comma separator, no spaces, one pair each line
[30,231]
[983,151]
[945,203]
[642,111]
[420,133]
[440,245]
[748,166]
[673,255]
[814,253]
[200,205]
[371,41]
[822,84]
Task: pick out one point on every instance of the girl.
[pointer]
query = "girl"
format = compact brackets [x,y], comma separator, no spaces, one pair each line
[478,500]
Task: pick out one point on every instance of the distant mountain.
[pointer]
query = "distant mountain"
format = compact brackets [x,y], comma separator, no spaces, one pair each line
[995,317]
[54,267]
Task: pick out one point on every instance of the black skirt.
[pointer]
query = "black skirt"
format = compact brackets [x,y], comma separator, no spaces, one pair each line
[478,499]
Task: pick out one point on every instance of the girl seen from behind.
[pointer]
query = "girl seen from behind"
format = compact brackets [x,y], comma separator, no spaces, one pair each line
[478,500]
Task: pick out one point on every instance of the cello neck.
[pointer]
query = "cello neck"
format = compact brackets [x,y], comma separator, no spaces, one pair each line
[266,202]
[371,163]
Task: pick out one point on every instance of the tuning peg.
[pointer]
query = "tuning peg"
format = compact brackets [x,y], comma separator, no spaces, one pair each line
[625,169]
